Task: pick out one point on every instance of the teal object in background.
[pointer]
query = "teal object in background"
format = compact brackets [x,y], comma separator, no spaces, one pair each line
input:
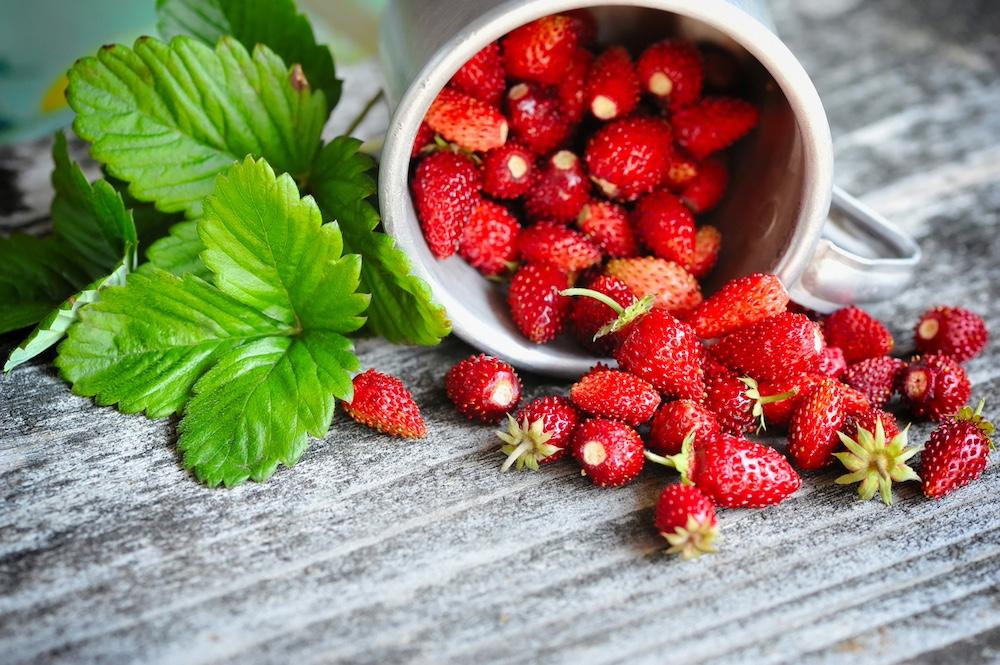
[40,39]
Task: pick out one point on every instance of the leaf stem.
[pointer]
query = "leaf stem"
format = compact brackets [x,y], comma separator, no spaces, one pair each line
[596,295]
[364,112]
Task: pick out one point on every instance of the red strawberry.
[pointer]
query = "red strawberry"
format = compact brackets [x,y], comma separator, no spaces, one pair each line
[831,362]
[736,401]
[686,518]
[629,157]
[536,306]
[540,433]
[957,452]
[676,291]
[675,421]
[609,451]
[706,190]
[681,171]
[857,334]
[612,87]
[875,457]
[508,171]
[736,473]
[542,50]
[867,420]
[383,403]
[588,316]
[482,76]
[712,124]
[469,122]
[780,413]
[616,395]
[560,190]
[556,245]
[606,224]
[951,331]
[778,346]
[584,25]
[424,139]
[707,243]
[666,226]
[665,352]
[445,192]
[536,118]
[812,433]
[876,378]
[671,71]
[572,89]
[935,387]
[739,303]
[489,239]
[483,387]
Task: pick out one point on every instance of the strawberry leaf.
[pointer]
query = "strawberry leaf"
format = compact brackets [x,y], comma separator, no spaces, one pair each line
[276,24]
[179,252]
[36,274]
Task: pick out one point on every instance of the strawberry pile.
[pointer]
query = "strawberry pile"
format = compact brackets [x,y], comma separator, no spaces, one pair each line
[554,163]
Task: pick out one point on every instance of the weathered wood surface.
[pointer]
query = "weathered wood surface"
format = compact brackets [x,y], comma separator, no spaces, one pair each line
[375,551]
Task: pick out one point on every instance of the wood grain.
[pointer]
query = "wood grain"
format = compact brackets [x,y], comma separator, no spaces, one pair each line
[373,550]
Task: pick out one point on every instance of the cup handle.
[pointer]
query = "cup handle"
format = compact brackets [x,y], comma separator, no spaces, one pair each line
[861,258]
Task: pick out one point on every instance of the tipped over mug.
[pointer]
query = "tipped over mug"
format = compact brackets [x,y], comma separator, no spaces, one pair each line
[775,217]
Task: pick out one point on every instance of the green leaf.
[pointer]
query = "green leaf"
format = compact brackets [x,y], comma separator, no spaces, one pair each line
[36,274]
[179,253]
[168,118]
[276,24]
[402,308]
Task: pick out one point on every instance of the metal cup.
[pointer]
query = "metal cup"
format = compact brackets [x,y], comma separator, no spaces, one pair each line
[774,217]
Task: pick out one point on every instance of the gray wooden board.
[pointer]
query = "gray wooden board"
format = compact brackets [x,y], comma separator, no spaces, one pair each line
[373,550]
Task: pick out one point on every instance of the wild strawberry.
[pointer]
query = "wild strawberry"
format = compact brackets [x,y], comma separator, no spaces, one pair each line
[616,395]
[854,401]
[778,346]
[780,413]
[612,87]
[445,192]
[935,387]
[736,473]
[951,331]
[536,306]
[831,362]
[875,457]
[560,190]
[707,188]
[671,71]
[876,378]
[867,420]
[424,139]
[482,76]
[665,225]
[542,50]
[469,122]
[736,401]
[572,89]
[662,350]
[712,124]
[540,433]
[584,25]
[556,245]
[383,403]
[606,224]
[588,315]
[957,452]
[812,433]
[739,303]
[675,289]
[674,421]
[686,518]
[508,171]
[483,387]
[629,157]
[536,118]
[707,243]
[857,333]
[681,171]
[489,239]
[609,451]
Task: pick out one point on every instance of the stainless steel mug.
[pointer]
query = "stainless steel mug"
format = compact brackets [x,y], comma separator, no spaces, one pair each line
[774,217]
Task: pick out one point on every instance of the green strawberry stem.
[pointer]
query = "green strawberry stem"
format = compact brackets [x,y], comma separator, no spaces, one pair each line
[876,463]
[681,461]
[753,393]
[626,315]
[364,113]
[977,419]
[521,449]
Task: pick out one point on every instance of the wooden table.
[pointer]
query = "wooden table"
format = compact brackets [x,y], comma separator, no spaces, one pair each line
[374,550]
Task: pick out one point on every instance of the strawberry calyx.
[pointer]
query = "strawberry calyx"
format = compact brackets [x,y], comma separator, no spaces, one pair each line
[753,393]
[876,463]
[525,444]
[681,462]
[693,539]
[966,414]
[626,315]
[443,145]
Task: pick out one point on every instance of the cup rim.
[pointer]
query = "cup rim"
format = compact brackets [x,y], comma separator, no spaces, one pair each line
[756,38]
